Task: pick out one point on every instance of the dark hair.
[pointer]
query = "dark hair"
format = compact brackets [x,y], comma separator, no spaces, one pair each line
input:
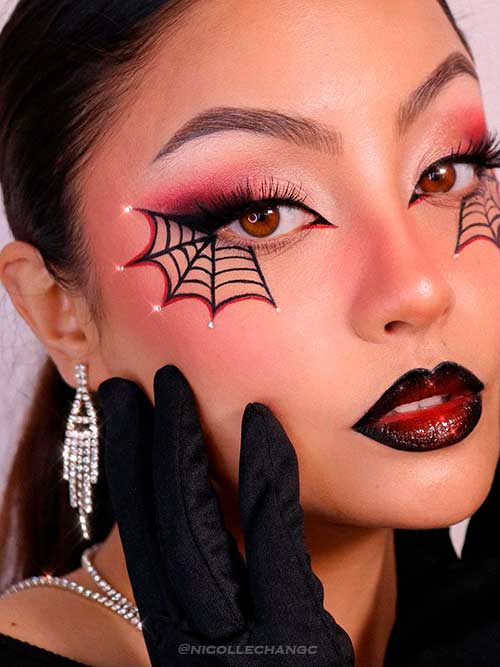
[445,7]
[63,68]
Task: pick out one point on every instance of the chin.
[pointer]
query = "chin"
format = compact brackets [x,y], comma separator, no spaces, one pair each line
[455,500]
[382,487]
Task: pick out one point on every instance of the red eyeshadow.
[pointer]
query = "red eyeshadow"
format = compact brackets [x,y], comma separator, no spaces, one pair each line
[460,125]
[180,198]
[469,123]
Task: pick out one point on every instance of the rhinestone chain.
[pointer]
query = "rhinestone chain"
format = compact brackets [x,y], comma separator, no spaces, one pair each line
[111,599]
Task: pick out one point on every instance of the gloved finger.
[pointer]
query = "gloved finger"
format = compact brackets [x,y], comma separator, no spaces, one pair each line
[286,592]
[200,554]
[482,538]
[129,423]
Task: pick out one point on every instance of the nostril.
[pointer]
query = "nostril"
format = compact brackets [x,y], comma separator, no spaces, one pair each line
[395,324]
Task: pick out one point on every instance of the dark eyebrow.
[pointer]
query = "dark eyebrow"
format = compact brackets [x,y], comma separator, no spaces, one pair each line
[455,65]
[304,131]
[299,130]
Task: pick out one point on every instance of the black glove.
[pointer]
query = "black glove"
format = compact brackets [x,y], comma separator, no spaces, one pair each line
[448,608]
[190,583]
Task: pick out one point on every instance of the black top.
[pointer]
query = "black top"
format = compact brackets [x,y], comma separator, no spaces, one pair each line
[16,653]
[449,617]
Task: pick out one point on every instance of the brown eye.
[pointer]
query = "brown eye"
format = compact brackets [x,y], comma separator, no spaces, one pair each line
[268,221]
[440,178]
[260,222]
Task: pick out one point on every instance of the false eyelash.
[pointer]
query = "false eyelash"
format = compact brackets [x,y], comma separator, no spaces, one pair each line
[483,152]
[222,208]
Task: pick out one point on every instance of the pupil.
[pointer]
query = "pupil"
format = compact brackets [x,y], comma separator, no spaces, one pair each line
[438,174]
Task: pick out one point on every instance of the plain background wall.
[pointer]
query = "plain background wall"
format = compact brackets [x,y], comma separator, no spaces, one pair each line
[21,353]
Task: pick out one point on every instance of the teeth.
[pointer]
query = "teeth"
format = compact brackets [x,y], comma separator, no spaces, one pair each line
[424,403]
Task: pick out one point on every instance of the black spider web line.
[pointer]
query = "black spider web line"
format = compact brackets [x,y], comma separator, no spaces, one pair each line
[480,212]
[190,257]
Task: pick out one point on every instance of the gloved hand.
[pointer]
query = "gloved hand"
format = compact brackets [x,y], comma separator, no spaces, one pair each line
[448,608]
[190,583]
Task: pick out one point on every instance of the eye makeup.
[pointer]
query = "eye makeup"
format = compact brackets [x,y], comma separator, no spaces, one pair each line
[201,257]
[479,207]
[480,215]
[482,152]
[219,209]
[197,263]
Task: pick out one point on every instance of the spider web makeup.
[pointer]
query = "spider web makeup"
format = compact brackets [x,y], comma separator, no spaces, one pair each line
[480,215]
[195,264]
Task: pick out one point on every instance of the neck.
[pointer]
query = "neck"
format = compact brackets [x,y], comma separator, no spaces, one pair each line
[356,566]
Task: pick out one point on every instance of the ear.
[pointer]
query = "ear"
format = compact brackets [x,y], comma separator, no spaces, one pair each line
[60,319]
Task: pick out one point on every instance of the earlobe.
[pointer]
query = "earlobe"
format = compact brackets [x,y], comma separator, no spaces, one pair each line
[51,311]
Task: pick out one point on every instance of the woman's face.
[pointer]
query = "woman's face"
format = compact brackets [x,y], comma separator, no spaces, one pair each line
[366,278]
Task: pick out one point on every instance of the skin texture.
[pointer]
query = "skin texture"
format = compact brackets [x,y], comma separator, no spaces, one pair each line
[360,304]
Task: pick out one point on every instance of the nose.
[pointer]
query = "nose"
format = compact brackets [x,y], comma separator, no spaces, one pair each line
[402,288]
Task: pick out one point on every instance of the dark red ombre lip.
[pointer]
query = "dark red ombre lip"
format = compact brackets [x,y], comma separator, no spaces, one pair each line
[426,428]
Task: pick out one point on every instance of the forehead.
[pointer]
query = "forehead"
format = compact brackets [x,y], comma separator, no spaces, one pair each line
[315,54]
[348,63]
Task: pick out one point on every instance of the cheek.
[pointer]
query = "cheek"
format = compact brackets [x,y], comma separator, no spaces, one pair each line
[477,260]
[253,353]
[249,334]
[477,278]
[479,216]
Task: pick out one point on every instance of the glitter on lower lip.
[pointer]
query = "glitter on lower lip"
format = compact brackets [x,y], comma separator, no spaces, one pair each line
[430,428]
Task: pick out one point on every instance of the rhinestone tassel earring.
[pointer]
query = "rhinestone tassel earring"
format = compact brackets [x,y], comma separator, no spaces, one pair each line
[81,451]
